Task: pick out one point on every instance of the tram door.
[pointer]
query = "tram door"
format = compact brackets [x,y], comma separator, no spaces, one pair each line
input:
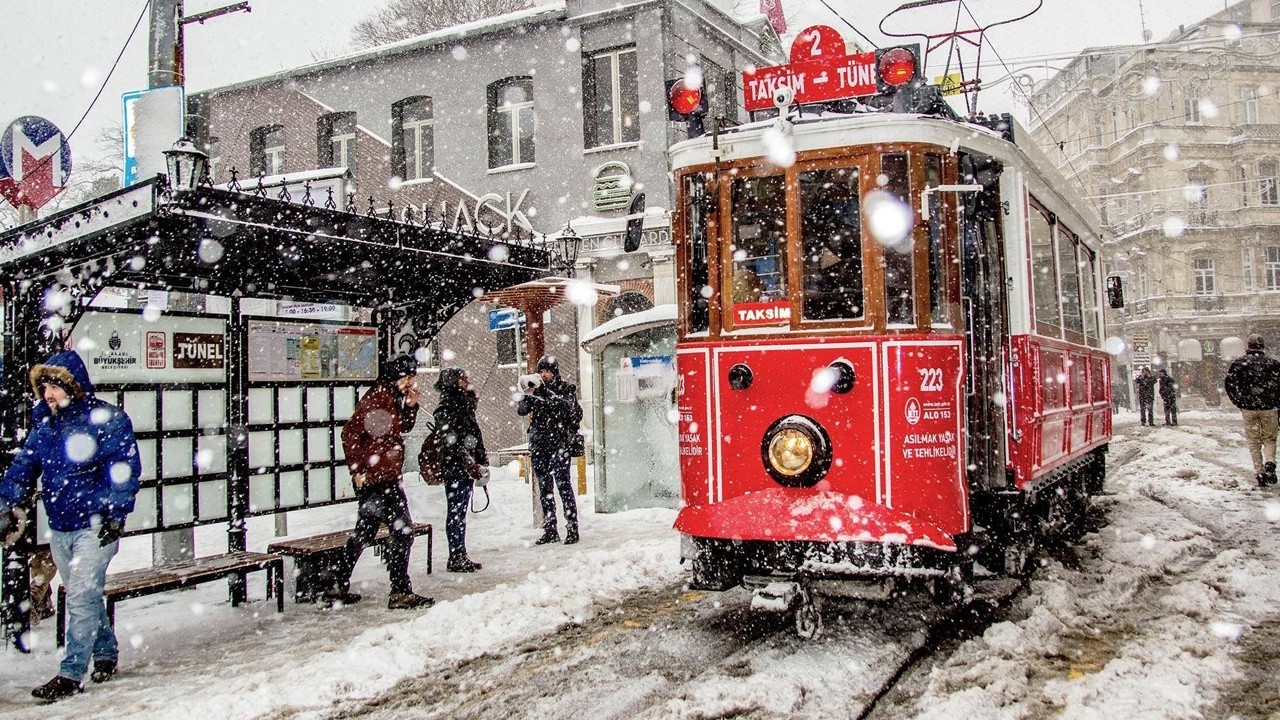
[983,305]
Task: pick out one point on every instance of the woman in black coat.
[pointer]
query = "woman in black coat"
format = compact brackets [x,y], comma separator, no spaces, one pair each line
[462,459]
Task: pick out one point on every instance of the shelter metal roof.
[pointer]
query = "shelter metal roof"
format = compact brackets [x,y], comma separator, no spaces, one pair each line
[237,244]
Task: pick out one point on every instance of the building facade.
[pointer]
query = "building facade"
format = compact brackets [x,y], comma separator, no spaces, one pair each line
[540,120]
[1177,146]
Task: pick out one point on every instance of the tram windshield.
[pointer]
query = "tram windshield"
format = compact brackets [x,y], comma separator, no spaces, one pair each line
[831,234]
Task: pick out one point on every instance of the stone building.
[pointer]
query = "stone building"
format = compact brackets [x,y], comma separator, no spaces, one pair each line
[537,120]
[1176,144]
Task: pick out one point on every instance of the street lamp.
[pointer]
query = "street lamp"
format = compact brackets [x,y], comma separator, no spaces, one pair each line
[567,247]
[186,165]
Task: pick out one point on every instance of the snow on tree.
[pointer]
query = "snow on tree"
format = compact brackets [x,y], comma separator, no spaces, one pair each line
[401,19]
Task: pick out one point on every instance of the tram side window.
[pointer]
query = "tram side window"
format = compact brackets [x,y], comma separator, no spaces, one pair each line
[1072,319]
[759,243]
[1089,292]
[831,228]
[937,244]
[1053,380]
[699,276]
[1044,275]
[899,257]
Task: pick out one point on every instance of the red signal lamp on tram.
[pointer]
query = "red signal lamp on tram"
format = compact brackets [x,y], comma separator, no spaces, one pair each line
[686,102]
[896,67]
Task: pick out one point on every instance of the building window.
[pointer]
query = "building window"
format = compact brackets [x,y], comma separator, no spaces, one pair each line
[1267,183]
[1246,268]
[336,134]
[1204,276]
[413,146]
[611,98]
[214,150]
[1191,107]
[510,345]
[266,150]
[1248,105]
[1242,179]
[1273,267]
[511,122]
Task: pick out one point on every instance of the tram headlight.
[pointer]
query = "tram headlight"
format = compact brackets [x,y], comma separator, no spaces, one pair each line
[796,451]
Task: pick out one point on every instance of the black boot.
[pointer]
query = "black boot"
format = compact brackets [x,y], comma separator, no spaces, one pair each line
[463,564]
[571,537]
[336,597]
[549,536]
[57,689]
[103,670]
[1269,472]
[409,601]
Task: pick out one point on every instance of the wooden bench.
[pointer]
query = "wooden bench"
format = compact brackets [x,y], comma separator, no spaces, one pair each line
[162,578]
[316,556]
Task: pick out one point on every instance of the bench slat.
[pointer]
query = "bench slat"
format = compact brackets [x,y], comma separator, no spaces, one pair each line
[325,542]
[185,572]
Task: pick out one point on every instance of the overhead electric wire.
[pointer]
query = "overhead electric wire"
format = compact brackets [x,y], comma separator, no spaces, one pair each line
[67,138]
[851,27]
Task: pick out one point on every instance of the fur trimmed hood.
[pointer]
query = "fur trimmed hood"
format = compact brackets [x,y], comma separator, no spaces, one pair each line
[67,371]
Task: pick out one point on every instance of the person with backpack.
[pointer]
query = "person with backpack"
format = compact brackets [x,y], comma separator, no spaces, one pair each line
[1253,384]
[461,457]
[553,430]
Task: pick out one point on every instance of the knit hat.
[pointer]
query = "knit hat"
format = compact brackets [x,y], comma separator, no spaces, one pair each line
[549,362]
[449,378]
[1255,342]
[399,367]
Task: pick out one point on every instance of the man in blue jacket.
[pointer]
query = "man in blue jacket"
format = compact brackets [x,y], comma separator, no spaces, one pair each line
[84,451]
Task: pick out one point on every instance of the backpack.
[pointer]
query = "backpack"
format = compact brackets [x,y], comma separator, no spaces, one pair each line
[429,458]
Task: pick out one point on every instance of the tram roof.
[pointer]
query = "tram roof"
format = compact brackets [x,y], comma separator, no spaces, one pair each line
[239,244]
[818,131]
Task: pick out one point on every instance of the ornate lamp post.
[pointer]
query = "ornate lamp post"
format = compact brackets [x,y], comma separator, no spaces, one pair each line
[567,248]
[186,165]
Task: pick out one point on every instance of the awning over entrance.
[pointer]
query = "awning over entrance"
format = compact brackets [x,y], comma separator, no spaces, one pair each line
[536,297]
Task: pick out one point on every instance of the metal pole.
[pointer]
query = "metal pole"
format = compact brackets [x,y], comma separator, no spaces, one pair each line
[164,59]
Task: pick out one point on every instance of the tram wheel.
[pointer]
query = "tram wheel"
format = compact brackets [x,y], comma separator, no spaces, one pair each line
[956,586]
[808,616]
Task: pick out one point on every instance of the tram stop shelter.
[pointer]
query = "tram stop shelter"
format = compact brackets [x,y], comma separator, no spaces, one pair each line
[251,426]
[633,361]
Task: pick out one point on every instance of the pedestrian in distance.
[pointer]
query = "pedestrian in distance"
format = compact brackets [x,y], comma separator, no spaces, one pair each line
[85,454]
[1253,384]
[463,459]
[373,441]
[1168,396]
[1146,384]
[555,414]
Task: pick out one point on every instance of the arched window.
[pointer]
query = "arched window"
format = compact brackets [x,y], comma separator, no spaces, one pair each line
[413,147]
[336,139]
[266,150]
[511,122]
[625,304]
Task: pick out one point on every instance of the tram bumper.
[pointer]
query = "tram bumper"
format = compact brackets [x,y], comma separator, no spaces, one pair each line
[786,532]
[806,515]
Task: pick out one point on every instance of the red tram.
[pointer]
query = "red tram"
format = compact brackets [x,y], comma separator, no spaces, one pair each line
[889,344]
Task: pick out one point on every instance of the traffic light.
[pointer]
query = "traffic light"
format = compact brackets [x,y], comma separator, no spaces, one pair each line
[686,103]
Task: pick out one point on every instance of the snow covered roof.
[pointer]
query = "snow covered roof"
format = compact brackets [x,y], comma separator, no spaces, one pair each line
[628,324]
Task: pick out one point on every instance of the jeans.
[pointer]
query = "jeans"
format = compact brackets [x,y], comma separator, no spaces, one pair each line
[82,561]
[381,504]
[1147,410]
[552,469]
[457,495]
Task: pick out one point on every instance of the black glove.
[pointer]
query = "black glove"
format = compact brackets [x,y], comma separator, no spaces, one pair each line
[110,532]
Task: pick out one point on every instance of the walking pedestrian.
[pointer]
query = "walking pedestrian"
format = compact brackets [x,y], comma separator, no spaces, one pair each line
[555,412]
[85,454]
[1146,383]
[1253,384]
[1168,396]
[373,441]
[463,459]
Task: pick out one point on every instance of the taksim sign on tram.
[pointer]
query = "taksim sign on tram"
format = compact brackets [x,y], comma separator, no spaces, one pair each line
[35,162]
[821,70]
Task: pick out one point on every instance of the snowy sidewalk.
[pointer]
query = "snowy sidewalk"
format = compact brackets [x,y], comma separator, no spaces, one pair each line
[189,654]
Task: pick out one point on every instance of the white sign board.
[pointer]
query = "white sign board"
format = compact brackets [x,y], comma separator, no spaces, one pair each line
[123,347]
[153,121]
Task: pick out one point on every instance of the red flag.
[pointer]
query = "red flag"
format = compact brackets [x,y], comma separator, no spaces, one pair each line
[772,9]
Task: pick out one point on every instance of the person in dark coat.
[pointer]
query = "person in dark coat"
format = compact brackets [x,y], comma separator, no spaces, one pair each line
[86,455]
[555,412]
[1146,384]
[1168,396]
[373,442]
[463,459]
[1253,384]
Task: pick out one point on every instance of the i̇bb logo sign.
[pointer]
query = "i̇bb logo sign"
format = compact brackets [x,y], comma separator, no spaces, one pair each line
[35,162]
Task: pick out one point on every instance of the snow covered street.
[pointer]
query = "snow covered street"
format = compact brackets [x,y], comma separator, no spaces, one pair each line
[1165,612]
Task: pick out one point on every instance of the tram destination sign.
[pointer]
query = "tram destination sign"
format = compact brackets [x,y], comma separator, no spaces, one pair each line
[820,70]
